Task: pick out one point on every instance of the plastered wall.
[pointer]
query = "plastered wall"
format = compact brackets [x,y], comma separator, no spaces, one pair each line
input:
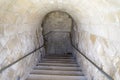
[96,34]
[56,30]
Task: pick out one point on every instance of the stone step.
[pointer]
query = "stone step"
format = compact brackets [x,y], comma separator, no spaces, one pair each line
[62,68]
[58,55]
[57,67]
[57,72]
[54,77]
[58,59]
[58,64]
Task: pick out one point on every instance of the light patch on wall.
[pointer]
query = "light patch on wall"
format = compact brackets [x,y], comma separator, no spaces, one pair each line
[52,2]
[105,42]
[93,38]
[35,1]
[10,73]
[60,1]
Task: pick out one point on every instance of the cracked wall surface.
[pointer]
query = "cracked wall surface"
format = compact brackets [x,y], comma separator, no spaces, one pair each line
[96,33]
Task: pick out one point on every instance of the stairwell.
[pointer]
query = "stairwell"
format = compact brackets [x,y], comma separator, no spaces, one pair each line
[57,67]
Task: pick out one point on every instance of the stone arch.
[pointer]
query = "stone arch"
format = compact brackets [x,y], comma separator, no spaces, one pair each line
[61,31]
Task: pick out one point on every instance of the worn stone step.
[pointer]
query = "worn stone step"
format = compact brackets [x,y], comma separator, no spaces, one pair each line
[58,57]
[44,59]
[54,77]
[57,64]
[58,68]
[57,72]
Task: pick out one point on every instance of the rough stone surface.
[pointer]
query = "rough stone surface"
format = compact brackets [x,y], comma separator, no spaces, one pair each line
[96,33]
[58,41]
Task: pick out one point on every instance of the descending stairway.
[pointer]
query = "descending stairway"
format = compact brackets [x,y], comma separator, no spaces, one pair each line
[57,67]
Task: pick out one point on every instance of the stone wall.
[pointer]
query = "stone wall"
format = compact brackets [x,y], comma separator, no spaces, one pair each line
[58,41]
[18,37]
[17,41]
[103,52]
[96,34]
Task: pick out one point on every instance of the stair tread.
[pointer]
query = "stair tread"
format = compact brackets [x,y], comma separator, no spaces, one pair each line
[57,72]
[58,55]
[54,57]
[59,58]
[66,60]
[58,68]
[57,64]
[55,77]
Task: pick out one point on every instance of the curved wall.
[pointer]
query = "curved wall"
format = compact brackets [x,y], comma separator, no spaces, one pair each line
[56,30]
[96,34]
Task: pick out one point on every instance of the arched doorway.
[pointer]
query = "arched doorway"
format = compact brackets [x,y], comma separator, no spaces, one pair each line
[57,26]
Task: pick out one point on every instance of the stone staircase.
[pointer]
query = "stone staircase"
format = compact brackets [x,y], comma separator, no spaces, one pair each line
[57,67]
